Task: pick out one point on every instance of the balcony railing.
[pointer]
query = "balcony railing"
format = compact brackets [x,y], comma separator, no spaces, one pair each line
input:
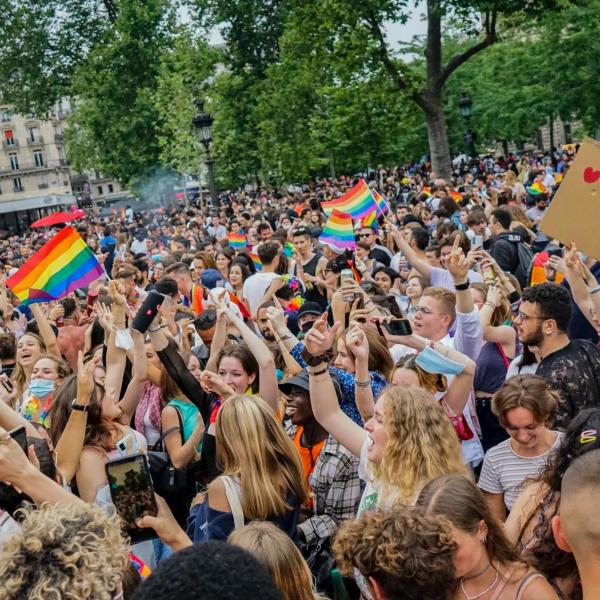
[59,138]
[10,146]
[32,167]
[42,186]
[39,139]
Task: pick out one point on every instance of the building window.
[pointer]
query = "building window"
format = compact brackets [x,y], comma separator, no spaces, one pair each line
[33,134]
[38,156]
[18,184]
[5,115]
[14,161]
[100,190]
[9,138]
[111,188]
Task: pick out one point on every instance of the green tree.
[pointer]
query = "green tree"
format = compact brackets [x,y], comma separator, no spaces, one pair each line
[114,126]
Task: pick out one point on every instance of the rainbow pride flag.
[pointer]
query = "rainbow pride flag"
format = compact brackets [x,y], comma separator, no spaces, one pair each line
[456,196]
[256,260]
[383,207]
[537,188]
[339,231]
[140,566]
[357,202]
[59,267]
[371,221]
[237,240]
[426,190]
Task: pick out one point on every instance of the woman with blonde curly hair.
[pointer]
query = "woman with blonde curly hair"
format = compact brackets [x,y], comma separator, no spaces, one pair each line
[262,476]
[401,553]
[277,552]
[64,551]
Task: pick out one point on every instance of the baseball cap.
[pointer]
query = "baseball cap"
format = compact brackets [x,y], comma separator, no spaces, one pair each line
[301,381]
[210,278]
[309,308]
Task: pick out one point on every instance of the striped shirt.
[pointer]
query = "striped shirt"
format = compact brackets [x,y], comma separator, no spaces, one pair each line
[504,471]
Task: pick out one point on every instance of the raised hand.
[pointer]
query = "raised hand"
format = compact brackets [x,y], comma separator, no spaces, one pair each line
[357,342]
[319,339]
[213,383]
[276,316]
[105,316]
[85,377]
[457,262]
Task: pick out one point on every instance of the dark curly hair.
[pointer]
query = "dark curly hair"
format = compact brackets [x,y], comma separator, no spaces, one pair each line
[554,302]
[545,555]
[406,552]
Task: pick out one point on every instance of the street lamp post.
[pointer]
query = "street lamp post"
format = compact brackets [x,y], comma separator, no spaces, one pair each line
[203,122]
[465,104]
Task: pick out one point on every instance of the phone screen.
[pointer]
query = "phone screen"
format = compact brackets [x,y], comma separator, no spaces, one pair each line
[398,327]
[132,494]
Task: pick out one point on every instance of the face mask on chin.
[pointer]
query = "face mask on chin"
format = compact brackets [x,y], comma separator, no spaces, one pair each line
[41,388]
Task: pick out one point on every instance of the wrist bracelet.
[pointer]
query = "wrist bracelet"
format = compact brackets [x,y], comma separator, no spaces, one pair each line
[493,306]
[595,290]
[362,383]
[287,336]
[461,287]
[315,373]
[157,329]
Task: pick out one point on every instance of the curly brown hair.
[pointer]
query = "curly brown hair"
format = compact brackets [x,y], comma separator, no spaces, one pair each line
[64,552]
[408,554]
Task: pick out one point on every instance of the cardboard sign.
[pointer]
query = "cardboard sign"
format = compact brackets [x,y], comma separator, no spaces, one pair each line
[574,213]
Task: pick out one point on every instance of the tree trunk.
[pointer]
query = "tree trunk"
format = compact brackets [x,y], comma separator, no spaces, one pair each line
[437,136]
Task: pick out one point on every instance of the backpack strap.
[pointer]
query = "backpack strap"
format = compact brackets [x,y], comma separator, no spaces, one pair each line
[234,502]
[503,354]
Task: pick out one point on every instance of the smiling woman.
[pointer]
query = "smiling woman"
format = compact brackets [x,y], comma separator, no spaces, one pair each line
[524,406]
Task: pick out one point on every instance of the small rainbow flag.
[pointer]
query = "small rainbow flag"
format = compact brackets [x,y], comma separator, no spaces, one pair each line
[383,207]
[537,188]
[339,231]
[289,249]
[456,196]
[371,221]
[257,262]
[237,240]
[245,313]
[427,191]
[59,267]
[357,202]
[140,566]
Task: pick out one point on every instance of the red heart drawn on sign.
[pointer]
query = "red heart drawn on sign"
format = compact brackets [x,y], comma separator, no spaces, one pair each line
[591,175]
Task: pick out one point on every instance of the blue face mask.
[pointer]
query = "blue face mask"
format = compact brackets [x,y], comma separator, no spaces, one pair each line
[433,362]
[41,388]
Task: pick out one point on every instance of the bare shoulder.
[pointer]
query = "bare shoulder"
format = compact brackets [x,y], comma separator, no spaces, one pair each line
[217,498]
[539,589]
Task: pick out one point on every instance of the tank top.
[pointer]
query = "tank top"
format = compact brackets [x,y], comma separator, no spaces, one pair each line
[313,294]
[490,372]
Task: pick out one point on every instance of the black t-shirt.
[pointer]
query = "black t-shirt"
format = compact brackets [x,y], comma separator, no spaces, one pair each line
[574,372]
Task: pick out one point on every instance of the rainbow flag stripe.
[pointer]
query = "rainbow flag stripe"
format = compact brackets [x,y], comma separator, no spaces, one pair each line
[237,240]
[59,267]
[456,196]
[383,207]
[371,220]
[257,262]
[339,231]
[427,191]
[357,202]
[537,188]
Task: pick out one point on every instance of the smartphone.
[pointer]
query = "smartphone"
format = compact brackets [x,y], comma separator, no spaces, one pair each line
[18,434]
[477,242]
[145,315]
[346,278]
[398,327]
[556,252]
[127,445]
[132,494]
[7,384]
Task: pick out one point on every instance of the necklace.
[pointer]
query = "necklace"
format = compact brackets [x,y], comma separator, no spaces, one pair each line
[484,570]
[489,588]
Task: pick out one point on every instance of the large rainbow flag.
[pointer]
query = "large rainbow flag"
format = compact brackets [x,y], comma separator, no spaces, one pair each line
[339,231]
[237,240]
[59,267]
[358,202]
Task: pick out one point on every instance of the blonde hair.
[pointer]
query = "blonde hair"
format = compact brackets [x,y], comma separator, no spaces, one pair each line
[445,297]
[64,551]
[253,446]
[276,551]
[422,444]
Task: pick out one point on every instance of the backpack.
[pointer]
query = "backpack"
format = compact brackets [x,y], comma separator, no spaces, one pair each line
[525,259]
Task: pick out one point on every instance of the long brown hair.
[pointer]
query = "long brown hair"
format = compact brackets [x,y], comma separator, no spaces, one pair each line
[380,358]
[247,360]
[463,504]
[97,430]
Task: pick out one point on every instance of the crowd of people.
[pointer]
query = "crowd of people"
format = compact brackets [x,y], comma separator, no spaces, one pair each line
[415,417]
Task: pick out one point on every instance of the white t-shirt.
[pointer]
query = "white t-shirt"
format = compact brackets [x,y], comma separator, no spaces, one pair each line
[504,470]
[255,287]
[515,368]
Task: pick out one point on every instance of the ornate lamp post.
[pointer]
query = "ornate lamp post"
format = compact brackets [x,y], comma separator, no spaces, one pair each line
[203,122]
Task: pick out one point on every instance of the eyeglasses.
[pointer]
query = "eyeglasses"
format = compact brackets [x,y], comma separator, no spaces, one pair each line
[524,317]
[364,235]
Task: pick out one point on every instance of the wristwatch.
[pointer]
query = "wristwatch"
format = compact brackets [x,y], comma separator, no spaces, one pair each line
[79,407]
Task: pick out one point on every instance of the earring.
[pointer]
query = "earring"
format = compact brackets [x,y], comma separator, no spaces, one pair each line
[484,540]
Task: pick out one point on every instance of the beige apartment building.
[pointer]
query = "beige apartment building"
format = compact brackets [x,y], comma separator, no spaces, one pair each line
[35,177]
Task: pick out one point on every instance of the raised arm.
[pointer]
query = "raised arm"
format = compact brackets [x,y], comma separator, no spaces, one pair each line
[45,329]
[323,398]
[358,343]
[412,257]
[68,448]
[218,341]
[269,389]
[582,284]
[135,387]
[501,334]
